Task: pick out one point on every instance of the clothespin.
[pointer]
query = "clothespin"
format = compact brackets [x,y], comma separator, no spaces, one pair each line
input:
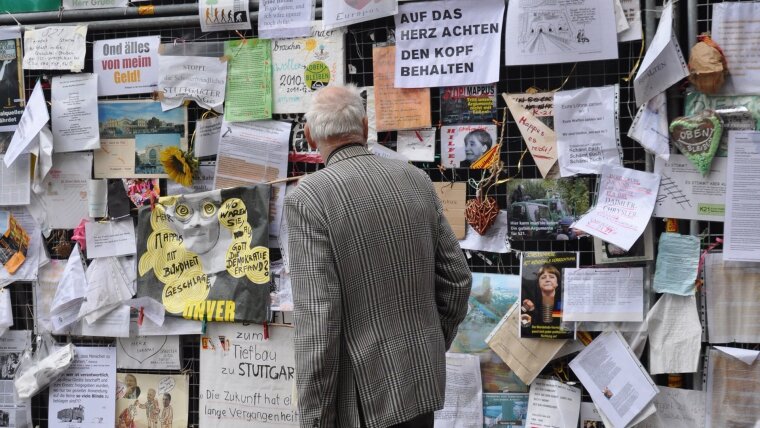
[141,316]
[266,330]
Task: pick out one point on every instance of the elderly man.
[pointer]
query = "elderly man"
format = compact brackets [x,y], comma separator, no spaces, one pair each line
[379,281]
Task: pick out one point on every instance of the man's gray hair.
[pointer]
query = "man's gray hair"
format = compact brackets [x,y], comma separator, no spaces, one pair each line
[336,110]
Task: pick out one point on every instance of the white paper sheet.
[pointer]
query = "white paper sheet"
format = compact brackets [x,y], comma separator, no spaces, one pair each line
[586,125]
[341,14]
[742,231]
[107,286]
[677,408]
[417,145]
[282,19]
[650,127]
[15,181]
[43,159]
[624,205]
[647,412]
[86,391]
[44,291]
[603,294]
[677,263]
[148,352]
[113,324]
[621,24]
[32,121]
[207,135]
[290,59]
[228,368]
[738,38]
[552,404]
[731,290]
[464,394]
[448,43]
[532,114]
[220,15]
[12,345]
[6,311]
[55,48]
[733,392]
[494,240]
[685,194]
[526,357]
[614,377]
[255,152]
[112,238]
[198,78]
[66,190]
[126,66]
[74,113]
[97,198]
[70,292]
[632,10]
[747,356]
[546,33]
[675,335]
[663,64]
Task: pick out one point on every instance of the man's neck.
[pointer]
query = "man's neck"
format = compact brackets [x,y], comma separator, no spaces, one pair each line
[327,147]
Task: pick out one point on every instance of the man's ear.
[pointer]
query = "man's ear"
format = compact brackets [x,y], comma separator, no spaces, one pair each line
[365,126]
[307,134]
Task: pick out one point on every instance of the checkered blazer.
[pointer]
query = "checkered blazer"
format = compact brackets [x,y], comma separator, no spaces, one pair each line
[379,286]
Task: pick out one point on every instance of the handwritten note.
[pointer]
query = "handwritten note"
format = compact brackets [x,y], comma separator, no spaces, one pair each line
[397,108]
[55,48]
[625,204]
[532,114]
[453,196]
[247,380]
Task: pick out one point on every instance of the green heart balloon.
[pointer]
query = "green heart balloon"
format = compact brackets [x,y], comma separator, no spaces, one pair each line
[698,138]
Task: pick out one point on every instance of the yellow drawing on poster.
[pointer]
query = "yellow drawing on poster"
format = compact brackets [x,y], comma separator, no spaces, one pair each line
[183,233]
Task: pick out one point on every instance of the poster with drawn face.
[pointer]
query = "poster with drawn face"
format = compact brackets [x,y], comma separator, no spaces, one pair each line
[151,401]
[204,256]
[463,145]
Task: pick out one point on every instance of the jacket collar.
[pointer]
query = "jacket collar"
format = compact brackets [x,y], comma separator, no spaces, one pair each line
[348,151]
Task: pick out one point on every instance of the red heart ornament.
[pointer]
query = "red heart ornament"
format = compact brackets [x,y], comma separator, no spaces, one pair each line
[481,213]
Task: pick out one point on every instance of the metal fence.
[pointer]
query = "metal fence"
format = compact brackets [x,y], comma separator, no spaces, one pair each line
[176,22]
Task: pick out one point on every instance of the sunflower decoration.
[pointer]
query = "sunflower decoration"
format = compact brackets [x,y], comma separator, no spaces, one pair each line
[179,165]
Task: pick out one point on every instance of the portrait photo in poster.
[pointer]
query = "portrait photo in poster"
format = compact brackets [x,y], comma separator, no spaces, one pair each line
[491,297]
[11,81]
[151,400]
[462,146]
[641,251]
[545,209]
[541,294]
[468,104]
[204,256]
[133,134]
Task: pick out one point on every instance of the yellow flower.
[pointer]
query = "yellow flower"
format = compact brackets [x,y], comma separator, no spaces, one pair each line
[177,166]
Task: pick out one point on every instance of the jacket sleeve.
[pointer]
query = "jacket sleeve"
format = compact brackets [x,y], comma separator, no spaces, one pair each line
[316,315]
[453,279]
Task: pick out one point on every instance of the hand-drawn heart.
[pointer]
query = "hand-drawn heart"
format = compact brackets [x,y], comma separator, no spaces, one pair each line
[698,138]
[357,4]
[141,358]
[481,214]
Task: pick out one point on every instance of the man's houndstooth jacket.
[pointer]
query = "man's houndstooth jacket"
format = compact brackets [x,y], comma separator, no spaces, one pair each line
[379,286]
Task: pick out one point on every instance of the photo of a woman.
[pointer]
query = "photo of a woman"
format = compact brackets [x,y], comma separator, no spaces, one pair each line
[541,294]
